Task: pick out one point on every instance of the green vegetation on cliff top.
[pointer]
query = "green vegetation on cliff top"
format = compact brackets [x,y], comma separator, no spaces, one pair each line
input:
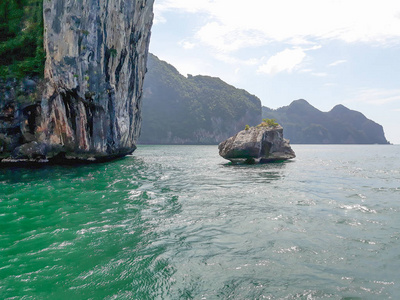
[21,38]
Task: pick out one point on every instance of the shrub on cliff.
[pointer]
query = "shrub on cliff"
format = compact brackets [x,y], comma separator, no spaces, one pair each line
[268,123]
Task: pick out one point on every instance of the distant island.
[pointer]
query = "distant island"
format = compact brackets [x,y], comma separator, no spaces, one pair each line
[206,110]
[194,109]
[304,124]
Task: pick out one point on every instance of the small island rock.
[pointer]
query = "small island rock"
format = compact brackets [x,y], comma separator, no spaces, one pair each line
[261,144]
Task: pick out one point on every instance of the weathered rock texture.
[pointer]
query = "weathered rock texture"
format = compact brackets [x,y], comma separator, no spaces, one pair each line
[19,116]
[96,53]
[257,145]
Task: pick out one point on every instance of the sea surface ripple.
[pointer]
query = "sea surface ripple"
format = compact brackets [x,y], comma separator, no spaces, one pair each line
[179,222]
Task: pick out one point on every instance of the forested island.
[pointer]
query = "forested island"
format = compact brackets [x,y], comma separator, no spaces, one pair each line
[193,109]
[305,124]
[206,110]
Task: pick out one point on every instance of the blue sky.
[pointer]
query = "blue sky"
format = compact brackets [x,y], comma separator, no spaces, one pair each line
[325,51]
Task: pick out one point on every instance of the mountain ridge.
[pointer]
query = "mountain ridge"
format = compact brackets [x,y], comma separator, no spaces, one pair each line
[192,110]
[305,124]
[206,110]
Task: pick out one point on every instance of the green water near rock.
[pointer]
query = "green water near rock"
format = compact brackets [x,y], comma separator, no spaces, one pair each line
[179,222]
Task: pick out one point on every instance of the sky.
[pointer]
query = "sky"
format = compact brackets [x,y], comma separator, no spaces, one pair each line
[327,52]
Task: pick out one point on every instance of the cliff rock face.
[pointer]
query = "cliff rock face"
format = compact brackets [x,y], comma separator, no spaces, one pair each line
[96,53]
[257,145]
[95,66]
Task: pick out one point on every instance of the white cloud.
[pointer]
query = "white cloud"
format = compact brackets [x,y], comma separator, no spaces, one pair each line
[187,45]
[377,96]
[229,59]
[287,60]
[338,62]
[159,19]
[227,39]
[319,74]
[192,6]
[330,84]
[183,6]
[234,24]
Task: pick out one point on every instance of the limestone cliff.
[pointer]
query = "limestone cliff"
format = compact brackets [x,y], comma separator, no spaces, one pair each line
[90,108]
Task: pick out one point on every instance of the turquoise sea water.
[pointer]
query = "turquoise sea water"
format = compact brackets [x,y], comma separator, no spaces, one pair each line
[179,222]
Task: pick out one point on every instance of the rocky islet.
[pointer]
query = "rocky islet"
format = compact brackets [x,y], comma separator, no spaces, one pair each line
[260,144]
